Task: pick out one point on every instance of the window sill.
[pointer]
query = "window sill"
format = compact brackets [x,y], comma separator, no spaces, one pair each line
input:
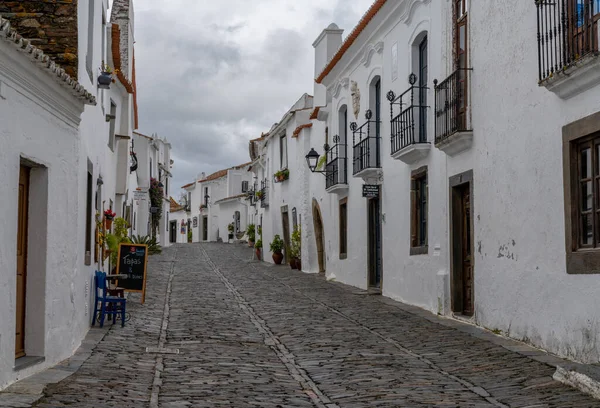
[343,256]
[422,250]
[578,78]
[583,262]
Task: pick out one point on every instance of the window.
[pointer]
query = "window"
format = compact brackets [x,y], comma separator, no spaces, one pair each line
[418,230]
[283,151]
[206,196]
[244,186]
[461,55]
[111,134]
[150,168]
[88,215]
[581,160]
[344,228]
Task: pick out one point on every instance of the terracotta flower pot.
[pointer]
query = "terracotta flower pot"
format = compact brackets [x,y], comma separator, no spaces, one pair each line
[277,257]
[293,263]
[258,253]
[108,223]
[250,243]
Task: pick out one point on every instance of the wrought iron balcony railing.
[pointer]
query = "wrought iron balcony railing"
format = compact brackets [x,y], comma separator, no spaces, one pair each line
[336,168]
[264,197]
[451,104]
[567,30]
[366,143]
[410,125]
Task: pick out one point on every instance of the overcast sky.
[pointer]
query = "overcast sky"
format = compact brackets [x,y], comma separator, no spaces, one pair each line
[212,75]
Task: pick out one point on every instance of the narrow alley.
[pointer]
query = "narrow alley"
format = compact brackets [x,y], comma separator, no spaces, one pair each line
[220,330]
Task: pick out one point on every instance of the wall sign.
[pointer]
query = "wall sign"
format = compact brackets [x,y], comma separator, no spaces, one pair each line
[370,190]
[140,195]
[132,260]
[195,222]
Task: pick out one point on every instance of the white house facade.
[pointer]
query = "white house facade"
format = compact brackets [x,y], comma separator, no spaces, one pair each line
[429,191]
[68,155]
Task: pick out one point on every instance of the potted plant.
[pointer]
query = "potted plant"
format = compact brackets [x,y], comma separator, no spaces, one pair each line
[251,231]
[230,228]
[276,246]
[259,194]
[202,207]
[113,240]
[106,76]
[296,245]
[257,248]
[109,216]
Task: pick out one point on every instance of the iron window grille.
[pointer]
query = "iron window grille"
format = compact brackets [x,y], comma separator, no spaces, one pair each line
[336,167]
[264,198]
[410,125]
[366,145]
[567,30]
[451,104]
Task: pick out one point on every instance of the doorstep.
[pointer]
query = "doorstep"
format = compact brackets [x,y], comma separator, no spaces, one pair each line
[31,389]
[585,377]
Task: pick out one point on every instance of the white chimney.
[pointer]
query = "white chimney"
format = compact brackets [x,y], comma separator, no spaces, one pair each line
[326,45]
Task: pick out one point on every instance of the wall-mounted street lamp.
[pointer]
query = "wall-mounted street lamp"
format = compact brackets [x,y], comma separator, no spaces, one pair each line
[312,158]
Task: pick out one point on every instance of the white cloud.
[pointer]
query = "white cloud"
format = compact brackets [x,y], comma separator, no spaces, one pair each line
[213,74]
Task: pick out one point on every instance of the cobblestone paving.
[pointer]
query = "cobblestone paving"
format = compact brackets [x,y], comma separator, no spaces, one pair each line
[253,335]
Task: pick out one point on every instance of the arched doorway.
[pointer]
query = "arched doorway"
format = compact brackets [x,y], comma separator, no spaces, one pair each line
[319,235]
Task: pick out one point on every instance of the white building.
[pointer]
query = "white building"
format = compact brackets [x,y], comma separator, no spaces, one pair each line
[215,201]
[282,200]
[432,195]
[67,157]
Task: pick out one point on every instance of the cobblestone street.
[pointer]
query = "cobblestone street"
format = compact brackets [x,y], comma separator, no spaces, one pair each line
[224,331]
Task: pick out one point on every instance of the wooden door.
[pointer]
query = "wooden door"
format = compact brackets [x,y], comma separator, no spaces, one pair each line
[467,264]
[22,260]
[462,256]
[205,228]
[285,219]
[374,242]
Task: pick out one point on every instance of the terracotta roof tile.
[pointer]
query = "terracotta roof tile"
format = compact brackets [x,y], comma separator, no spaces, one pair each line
[116,55]
[315,113]
[223,173]
[231,198]
[362,24]
[188,185]
[37,56]
[299,129]
[174,205]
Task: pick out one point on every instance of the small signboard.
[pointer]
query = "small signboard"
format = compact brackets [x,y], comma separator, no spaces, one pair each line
[195,222]
[132,261]
[140,195]
[370,190]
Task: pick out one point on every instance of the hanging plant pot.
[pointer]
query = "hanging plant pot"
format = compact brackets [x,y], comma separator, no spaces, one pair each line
[104,80]
[108,223]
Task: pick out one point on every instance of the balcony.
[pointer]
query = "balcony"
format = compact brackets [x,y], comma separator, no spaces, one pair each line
[567,37]
[336,167]
[409,127]
[264,194]
[366,143]
[453,133]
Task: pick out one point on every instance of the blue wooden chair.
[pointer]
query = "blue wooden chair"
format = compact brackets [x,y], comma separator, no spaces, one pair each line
[109,305]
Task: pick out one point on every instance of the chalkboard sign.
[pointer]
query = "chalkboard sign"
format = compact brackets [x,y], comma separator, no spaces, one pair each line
[370,190]
[131,261]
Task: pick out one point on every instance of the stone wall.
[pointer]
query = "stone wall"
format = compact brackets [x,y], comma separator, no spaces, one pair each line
[50,25]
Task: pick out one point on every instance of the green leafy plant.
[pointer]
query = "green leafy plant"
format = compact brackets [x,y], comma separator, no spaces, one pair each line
[153,246]
[321,162]
[296,244]
[259,229]
[258,244]
[118,236]
[156,200]
[189,235]
[251,232]
[230,227]
[277,244]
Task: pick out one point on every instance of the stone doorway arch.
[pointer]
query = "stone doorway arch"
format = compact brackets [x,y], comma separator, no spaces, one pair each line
[319,234]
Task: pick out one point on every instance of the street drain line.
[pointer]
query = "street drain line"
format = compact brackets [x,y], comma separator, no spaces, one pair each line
[469,386]
[159,367]
[286,357]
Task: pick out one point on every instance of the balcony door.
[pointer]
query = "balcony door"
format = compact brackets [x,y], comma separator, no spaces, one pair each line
[374,243]
[461,52]
[423,78]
